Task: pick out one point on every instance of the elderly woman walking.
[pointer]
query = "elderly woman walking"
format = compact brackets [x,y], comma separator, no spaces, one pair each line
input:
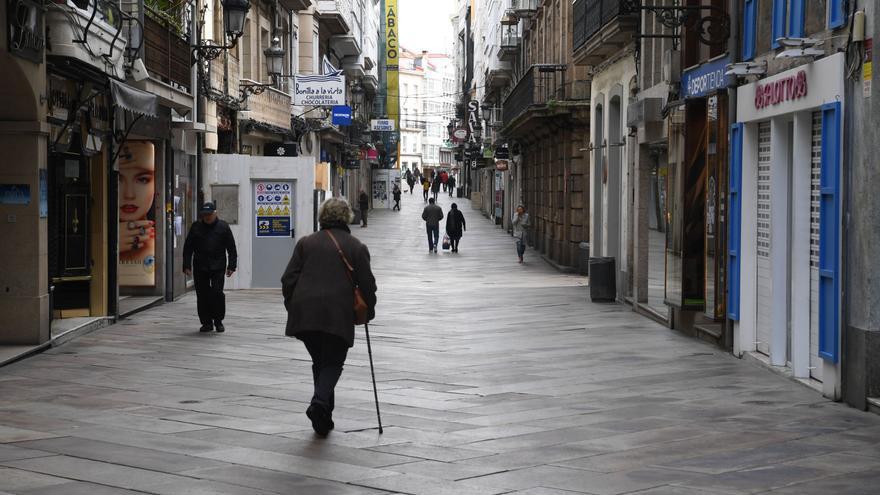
[318,288]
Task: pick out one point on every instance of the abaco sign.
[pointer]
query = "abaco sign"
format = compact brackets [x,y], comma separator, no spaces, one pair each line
[786,89]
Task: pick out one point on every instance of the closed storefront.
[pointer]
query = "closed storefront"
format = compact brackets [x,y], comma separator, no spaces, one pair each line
[785,221]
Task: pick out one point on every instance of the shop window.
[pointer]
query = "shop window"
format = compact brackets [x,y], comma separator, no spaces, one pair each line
[226,199]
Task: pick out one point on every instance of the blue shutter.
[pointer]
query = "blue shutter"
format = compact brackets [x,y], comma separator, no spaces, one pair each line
[836,14]
[778,22]
[829,234]
[750,28]
[734,222]
[797,9]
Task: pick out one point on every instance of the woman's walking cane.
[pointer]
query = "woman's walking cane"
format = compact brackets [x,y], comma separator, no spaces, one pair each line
[373,374]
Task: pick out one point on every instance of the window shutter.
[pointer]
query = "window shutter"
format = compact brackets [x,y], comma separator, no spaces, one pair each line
[734,221]
[778,22]
[829,234]
[750,28]
[796,13]
[836,14]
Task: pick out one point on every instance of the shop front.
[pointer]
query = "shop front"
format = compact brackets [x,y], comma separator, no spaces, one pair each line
[784,199]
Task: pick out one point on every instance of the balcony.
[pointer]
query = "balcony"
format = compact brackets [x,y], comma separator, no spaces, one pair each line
[271,107]
[508,46]
[543,92]
[92,36]
[334,15]
[498,75]
[524,8]
[166,50]
[295,5]
[601,28]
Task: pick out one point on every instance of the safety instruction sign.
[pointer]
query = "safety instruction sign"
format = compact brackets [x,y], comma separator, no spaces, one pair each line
[273,207]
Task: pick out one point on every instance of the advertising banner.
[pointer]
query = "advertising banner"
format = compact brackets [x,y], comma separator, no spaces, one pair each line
[319,90]
[382,125]
[137,214]
[273,207]
[392,55]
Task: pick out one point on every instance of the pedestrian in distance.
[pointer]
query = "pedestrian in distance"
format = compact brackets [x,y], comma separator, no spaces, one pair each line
[432,214]
[319,296]
[435,187]
[455,227]
[451,185]
[396,194]
[364,205]
[426,187]
[208,254]
[411,181]
[444,179]
[520,226]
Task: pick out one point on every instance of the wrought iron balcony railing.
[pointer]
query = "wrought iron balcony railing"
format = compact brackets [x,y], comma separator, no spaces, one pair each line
[590,15]
[166,49]
[541,86]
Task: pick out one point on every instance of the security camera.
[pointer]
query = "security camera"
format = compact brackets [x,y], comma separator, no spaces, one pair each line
[799,42]
[801,52]
[742,69]
[138,70]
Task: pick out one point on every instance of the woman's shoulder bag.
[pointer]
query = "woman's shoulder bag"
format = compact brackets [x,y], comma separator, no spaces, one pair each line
[360,305]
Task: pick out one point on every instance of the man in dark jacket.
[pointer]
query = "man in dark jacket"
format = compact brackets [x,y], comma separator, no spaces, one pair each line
[435,187]
[432,214]
[364,204]
[208,254]
[396,195]
[318,294]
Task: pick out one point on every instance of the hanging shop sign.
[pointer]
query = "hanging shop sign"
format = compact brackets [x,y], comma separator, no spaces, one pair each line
[341,115]
[25,25]
[273,204]
[459,135]
[280,149]
[473,119]
[705,79]
[137,214]
[319,90]
[382,125]
[502,165]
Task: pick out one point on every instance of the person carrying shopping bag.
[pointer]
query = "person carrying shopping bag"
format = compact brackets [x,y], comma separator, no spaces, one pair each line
[455,227]
[520,225]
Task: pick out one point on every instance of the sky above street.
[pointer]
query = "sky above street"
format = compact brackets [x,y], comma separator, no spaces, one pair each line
[424,25]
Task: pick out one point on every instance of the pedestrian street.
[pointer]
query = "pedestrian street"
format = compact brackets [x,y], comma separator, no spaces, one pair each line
[493,377]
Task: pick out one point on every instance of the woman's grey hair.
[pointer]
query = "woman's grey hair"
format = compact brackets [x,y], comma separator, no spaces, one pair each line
[335,211]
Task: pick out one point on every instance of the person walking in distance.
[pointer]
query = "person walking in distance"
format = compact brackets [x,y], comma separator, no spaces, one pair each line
[432,214]
[435,187]
[208,254]
[426,186]
[520,225]
[318,297]
[450,184]
[410,180]
[364,205]
[455,227]
[396,195]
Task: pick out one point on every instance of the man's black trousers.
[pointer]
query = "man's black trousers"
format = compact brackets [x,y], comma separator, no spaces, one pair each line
[209,294]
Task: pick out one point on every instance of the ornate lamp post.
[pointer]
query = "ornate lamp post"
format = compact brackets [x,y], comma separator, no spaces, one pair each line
[234,14]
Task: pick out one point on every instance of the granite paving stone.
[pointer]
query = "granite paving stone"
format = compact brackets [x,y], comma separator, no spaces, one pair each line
[493,377]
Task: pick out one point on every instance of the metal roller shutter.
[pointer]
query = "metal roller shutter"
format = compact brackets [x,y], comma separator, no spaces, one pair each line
[816,173]
[764,321]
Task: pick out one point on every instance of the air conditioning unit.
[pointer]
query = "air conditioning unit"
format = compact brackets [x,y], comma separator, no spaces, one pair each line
[672,67]
[644,111]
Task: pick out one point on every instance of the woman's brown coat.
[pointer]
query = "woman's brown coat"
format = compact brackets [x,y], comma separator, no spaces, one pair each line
[317,292]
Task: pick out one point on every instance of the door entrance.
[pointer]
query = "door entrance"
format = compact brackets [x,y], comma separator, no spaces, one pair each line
[273,240]
[69,254]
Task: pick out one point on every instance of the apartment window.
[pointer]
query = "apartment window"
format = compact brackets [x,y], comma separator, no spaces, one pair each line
[246,51]
[787,20]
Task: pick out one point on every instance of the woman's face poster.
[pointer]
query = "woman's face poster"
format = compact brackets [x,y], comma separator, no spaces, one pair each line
[137,226]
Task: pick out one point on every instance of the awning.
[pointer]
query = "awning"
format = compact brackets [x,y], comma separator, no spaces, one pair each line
[134,100]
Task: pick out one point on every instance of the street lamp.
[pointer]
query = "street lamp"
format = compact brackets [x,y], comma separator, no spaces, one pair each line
[234,14]
[274,58]
[487,112]
[357,95]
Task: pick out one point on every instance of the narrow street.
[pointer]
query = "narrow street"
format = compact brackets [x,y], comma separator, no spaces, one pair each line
[494,377]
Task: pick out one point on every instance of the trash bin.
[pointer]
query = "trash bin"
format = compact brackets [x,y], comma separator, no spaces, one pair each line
[603,283]
[459,192]
[584,258]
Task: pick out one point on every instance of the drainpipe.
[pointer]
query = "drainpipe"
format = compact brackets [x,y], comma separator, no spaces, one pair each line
[733,45]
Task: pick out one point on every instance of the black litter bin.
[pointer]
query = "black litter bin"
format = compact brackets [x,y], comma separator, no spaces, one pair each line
[603,283]
[584,258]
[459,192]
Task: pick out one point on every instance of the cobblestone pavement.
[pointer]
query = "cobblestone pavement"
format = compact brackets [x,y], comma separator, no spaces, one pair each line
[494,377]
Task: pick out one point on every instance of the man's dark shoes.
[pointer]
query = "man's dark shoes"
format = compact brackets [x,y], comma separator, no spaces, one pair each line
[206,328]
[219,327]
[321,421]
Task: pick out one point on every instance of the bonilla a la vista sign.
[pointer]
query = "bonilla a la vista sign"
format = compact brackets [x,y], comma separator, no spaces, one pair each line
[319,90]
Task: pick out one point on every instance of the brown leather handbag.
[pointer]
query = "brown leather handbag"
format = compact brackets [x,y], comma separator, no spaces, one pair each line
[360,306]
